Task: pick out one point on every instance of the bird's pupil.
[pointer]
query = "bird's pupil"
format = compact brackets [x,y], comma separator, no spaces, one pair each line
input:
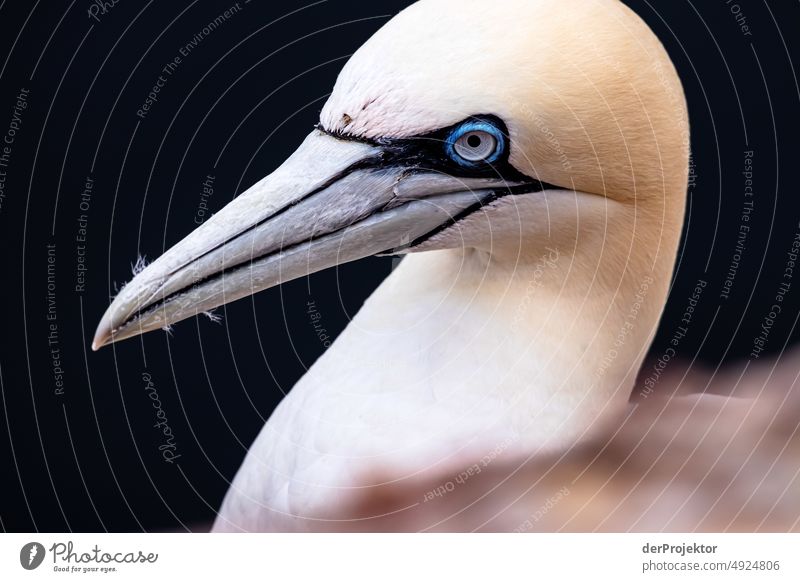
[474,141]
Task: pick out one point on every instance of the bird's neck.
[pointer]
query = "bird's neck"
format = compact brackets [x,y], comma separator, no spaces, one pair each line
[544,344]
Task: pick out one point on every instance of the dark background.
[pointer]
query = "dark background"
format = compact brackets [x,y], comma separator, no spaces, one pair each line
[88,459]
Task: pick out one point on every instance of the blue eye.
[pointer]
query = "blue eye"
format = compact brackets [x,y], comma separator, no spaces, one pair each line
[475,143]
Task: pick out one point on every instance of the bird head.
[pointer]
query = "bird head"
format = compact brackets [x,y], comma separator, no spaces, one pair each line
[459,124]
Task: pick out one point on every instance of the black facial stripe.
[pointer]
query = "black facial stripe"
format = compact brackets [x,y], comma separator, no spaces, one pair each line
[427,152]
[416,154]
[424,153]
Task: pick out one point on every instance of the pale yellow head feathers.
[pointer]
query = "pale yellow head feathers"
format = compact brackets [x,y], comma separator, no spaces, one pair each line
[591,99]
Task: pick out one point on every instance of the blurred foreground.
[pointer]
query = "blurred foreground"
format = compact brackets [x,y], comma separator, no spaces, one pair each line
[713,452]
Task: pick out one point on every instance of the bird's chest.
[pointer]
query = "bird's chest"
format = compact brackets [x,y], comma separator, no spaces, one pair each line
[416,381]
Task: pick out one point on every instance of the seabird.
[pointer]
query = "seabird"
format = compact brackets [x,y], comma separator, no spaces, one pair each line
[530,158]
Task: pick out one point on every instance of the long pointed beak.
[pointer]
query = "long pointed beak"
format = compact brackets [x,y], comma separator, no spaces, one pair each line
[331,202]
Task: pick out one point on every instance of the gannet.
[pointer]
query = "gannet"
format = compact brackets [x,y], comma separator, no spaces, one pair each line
[529,158]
